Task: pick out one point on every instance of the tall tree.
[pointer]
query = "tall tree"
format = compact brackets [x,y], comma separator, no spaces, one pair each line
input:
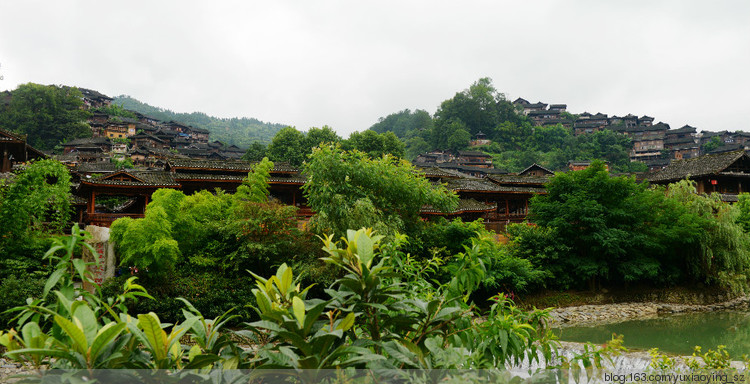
[318,136]
[348,189]
[49,115]
[375,144]
[288,145]
[256,152]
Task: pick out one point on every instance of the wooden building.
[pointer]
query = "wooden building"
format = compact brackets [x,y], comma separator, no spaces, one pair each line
[727,173]
[15,150]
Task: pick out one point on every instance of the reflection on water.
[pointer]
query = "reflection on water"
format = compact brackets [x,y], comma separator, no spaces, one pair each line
[674,333]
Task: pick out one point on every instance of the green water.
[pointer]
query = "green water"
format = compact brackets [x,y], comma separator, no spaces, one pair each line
[674,333]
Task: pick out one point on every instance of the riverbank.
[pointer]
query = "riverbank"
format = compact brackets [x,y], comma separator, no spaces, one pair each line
[603,313]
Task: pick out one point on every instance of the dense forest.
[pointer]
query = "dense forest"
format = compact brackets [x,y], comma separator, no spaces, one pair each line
[237,131]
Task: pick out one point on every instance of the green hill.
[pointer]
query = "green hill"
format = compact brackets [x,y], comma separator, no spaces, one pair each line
[238,131]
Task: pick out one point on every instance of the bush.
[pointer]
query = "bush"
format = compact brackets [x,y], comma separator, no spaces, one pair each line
[210,293]
[13,293]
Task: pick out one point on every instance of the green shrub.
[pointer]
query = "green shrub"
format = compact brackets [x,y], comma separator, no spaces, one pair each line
[210,293]
[13,293]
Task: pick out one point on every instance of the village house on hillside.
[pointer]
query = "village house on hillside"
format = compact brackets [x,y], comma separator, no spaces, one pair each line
[14,150]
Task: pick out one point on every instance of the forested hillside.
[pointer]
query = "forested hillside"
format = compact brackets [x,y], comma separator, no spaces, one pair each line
[238,131]
[516,142]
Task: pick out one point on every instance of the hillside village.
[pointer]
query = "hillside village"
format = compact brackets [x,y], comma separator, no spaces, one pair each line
[654,144]
[143,140]
[174,155]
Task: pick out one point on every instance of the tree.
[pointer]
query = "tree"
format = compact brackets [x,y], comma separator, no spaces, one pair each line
[34,203]
[288,145]
[347,189]
[148,243]
[49,115]
[39,194]
[480,107]
[602,220]
[256,152]
[459,140]
[404,123]
[375,144]
[318,136]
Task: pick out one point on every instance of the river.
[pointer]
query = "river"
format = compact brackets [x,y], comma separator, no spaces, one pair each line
[676,334]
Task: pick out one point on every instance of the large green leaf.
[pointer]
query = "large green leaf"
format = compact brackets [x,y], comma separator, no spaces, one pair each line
[157,338]
[74,332]
[81,311]
[105,335]
[298,306]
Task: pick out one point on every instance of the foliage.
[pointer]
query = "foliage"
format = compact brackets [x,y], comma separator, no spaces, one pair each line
[148,243]
[238,131]
[48,114]
[37,200]
[602,220]
[66,328]
[718,359]
[348,188]
[288,145]
[221,232]
[712,144]
[602,229]
[255,186]
[115,110]
[718,248]
[126,163]
[516,142]
[255,152]
[368,320]
[403,122]
[320,136]
[375,144]
[13,293]
[593,358]
[743,204]
[208,291]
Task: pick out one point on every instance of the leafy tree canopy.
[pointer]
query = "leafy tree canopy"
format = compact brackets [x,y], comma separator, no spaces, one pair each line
[375,144]
[48,114]
[348,188]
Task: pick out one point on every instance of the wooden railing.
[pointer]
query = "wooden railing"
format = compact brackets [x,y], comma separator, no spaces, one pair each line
[106,219]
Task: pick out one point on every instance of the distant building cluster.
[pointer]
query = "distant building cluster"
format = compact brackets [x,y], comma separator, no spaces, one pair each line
[144,140]
[654,144]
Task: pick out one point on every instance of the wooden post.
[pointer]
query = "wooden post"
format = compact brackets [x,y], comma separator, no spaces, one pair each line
[526,208]
[92,204]
[507,209]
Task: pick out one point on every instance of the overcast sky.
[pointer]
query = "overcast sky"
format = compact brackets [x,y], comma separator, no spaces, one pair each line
[346,63]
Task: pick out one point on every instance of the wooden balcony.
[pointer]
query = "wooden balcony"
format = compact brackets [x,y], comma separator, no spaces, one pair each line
[106,219]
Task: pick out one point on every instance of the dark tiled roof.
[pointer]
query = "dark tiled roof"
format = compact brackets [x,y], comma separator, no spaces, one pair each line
[537,166]
[511,180]
[229,165]
[464,205]
[98,167]
[292,179]
[473,153]
[88,141]
[697,166]
[683,129]
[435,172]
[143,179]
[472,184]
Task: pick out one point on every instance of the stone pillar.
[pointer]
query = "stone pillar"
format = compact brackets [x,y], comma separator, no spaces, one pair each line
[104,257]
